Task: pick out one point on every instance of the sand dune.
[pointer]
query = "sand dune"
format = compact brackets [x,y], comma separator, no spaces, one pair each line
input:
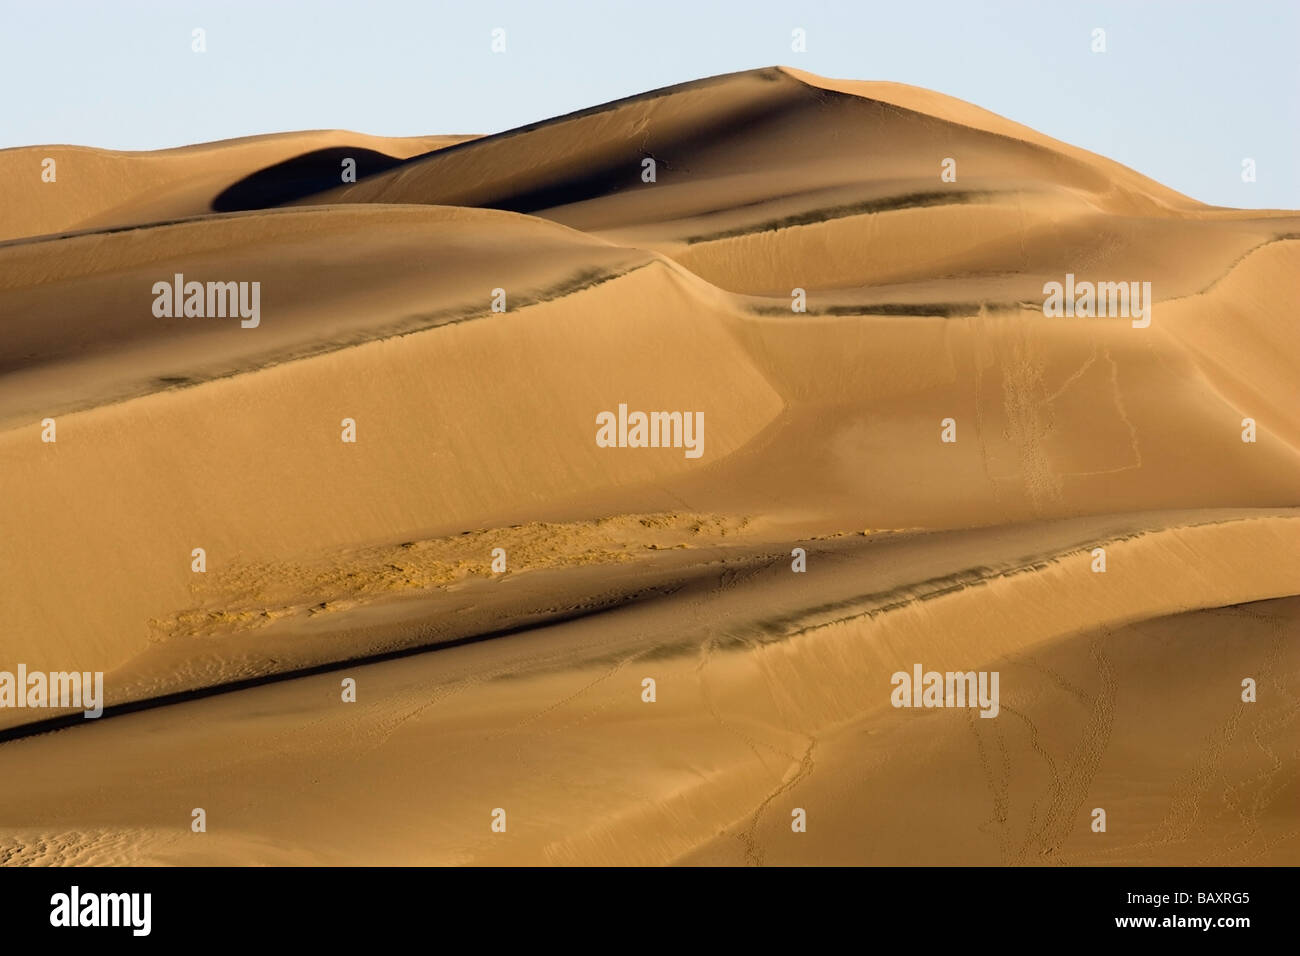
[471,305]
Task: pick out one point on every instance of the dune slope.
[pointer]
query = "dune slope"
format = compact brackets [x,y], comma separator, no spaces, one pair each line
[396,474]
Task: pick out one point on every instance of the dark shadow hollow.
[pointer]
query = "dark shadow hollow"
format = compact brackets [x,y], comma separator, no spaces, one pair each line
[300,177]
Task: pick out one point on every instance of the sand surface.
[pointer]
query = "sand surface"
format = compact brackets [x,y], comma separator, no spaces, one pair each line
[480,690]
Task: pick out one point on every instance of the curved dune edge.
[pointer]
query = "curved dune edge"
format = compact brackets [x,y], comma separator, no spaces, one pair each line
[423,467]
[1235,316]
[567,166]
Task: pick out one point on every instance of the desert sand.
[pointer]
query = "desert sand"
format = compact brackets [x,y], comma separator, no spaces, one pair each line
[825,538]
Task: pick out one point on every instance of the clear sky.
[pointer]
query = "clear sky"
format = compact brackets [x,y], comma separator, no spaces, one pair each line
[1185,90]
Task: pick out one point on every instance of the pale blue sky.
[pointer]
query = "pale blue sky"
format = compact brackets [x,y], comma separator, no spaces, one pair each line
[1185,90]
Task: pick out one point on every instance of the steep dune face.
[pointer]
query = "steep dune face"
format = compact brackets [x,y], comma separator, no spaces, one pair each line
[774,178]
[483,317]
